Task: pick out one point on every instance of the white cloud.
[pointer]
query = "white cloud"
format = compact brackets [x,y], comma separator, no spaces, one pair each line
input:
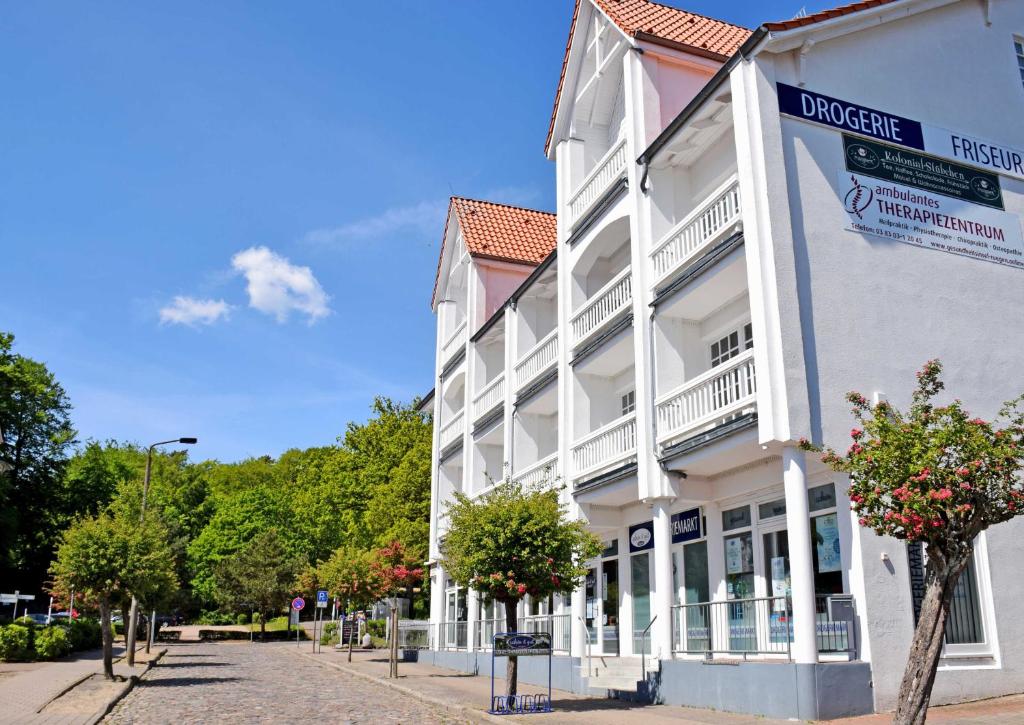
[190,311]
[426,217]
[277,287]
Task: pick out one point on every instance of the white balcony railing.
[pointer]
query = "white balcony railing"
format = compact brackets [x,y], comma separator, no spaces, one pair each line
[544,471]
[706,224]
[537,359]
[610,168]
[452,430]
[489,398]
[453,343]
[606,445]
[612,299]
[709,398]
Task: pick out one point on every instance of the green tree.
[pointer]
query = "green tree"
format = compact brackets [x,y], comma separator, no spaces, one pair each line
[236,520]
[515,541]
[35,438]
[349,575]
[260,575]
[933,476]
[109,558]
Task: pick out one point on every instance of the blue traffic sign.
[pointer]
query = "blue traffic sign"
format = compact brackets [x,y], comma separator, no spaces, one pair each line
[298,603]
[321,596]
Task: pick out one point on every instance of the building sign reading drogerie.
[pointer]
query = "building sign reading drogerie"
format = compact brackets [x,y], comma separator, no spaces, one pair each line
[819,108]
[934,221]
[930,173]
[825,110]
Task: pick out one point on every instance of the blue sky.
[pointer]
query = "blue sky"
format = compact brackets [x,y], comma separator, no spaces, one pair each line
[281,167]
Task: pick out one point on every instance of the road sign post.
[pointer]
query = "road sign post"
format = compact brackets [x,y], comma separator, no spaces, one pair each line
[297,604]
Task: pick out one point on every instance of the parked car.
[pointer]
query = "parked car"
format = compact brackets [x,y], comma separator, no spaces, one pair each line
[39,618]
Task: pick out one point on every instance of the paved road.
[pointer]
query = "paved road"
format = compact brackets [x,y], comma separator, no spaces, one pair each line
[228,682]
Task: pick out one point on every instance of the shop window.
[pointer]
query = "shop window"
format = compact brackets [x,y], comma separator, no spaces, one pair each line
[736,518]
[629,402]
[965,625]
[772,509]
[825,549]
[739,566]
[1018,47]
[821,497]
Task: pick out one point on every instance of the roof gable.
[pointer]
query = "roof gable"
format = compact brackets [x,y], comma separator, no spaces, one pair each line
[500,232]
[652,22]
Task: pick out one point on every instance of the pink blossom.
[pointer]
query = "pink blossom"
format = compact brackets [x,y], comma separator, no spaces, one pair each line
[966,486]
[856,433]
[521,589]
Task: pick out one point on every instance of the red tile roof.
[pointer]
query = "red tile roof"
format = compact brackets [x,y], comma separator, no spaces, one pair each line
[826,15]
[656,23]
[510,233]
[502,232]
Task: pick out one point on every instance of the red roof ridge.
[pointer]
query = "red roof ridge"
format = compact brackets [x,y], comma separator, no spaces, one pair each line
[500,203]
[827,14]
[690,12]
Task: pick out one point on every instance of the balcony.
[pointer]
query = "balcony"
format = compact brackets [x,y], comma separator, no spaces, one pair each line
[608,445]
[708,399]
[454,343]
[697,232]
[489,398]
[609,169]
[452,430]
[544,471]
[537,360]
[611,300]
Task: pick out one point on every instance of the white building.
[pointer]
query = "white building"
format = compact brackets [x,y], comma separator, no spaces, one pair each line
[747,228]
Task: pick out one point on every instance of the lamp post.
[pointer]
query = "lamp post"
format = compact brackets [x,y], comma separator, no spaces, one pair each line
[133,617]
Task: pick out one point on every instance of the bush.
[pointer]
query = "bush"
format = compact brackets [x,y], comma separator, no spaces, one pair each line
[329,635]
[213,618]
[377,627]
[242,618]
[257,618]
[26,621]
[83,633]
[15,643]
[52,642]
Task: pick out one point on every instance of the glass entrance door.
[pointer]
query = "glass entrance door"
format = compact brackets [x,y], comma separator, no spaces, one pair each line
[592,606]
[640,579]
[693,627]
[610,607]
[778,585]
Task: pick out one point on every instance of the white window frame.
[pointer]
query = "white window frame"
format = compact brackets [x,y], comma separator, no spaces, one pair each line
[631,405]
[745,342]
[953,654]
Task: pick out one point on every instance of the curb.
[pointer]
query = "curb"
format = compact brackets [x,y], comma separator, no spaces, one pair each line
[129,683]
[473,713]
[79,681]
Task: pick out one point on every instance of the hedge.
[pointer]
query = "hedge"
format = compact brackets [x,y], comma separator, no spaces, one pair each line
[209,635]
[16,642]
[52,642]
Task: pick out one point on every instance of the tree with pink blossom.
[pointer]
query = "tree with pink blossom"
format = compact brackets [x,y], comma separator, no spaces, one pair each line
[935,476]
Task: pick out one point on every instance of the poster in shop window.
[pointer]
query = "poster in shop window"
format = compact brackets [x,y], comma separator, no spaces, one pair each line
[827,543]
[739,558]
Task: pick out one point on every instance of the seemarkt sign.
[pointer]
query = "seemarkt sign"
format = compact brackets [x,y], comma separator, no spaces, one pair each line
[891,128]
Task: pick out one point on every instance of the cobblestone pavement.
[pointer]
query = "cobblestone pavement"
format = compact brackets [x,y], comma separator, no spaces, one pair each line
[229,682]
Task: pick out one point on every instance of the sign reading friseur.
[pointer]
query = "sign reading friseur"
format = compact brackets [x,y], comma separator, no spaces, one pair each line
[922,218]
[884,126]
[522,645]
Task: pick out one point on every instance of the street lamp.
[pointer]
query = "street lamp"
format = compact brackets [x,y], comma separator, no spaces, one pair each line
[133,618]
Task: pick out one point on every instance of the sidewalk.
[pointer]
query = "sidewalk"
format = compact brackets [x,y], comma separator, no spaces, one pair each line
[470,695]
[27,690]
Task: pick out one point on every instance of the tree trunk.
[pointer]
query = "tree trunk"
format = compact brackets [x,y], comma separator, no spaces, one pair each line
[512,666]
[393,650]
[263,626]
[351,621]
[915,691]
[108,639]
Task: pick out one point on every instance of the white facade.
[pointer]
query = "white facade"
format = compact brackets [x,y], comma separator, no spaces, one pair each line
[710,304]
